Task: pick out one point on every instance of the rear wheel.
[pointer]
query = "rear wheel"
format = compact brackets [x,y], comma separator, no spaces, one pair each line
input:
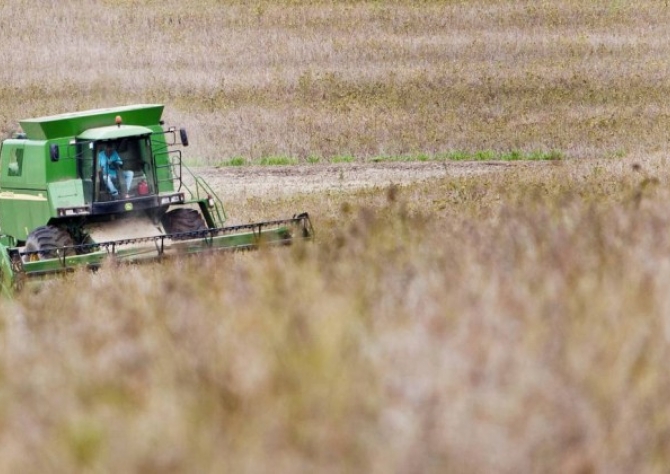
[183,220]
[47,240]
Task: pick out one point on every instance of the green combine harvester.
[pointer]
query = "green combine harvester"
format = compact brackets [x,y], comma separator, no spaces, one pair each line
[79,188]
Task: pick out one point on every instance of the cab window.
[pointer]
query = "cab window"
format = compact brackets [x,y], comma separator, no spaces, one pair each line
[15,165]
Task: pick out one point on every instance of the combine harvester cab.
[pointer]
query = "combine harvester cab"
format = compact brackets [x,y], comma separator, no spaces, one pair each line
[76,189]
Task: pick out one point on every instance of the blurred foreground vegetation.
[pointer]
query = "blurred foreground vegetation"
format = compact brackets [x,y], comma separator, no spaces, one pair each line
[508,322]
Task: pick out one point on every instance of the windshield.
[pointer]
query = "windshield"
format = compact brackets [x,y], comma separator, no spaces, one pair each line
[116,169]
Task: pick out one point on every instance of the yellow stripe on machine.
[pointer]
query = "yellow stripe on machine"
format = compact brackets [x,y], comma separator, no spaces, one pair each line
[22,197]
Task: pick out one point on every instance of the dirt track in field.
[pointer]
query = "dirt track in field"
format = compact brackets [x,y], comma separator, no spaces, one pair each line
[235,183]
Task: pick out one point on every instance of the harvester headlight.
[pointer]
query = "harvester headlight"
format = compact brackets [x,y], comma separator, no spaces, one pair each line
[73,211]
[210,201]
[175,198]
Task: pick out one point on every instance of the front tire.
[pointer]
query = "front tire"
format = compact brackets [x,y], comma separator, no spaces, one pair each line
[48,241]
[181,220]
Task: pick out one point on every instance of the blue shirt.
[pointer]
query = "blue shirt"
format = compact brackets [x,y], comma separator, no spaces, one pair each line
[105,161]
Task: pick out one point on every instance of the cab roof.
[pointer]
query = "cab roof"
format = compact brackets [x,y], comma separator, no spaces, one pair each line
[112,132]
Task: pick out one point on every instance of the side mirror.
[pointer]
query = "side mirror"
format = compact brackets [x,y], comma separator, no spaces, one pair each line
[183,136]
[53,152]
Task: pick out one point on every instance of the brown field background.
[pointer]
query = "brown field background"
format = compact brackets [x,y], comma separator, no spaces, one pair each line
[323,79]
[514,320]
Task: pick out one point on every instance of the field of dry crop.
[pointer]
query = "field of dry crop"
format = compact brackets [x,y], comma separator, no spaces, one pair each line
[318,80]
[459,311]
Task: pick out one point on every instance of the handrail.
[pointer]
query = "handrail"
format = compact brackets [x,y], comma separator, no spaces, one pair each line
[202,192]
[218,211]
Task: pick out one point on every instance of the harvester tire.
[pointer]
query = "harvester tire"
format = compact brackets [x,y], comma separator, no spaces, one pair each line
[181,220]
[46,240]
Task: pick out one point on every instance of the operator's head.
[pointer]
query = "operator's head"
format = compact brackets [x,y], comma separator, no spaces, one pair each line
[108,146]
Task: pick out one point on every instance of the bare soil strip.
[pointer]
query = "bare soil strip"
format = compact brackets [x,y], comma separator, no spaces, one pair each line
[234,183]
